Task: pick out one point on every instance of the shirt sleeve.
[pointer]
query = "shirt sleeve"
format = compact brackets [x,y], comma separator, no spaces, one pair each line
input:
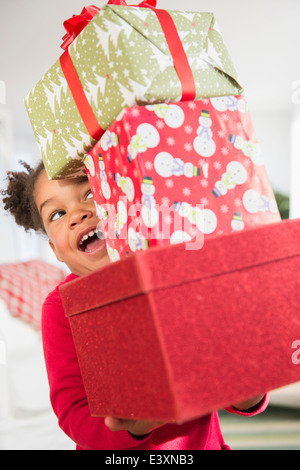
[255,410]
[67,393]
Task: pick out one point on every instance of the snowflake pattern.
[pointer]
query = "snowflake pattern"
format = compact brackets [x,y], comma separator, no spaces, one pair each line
[186,191]
[135,112]
[192,105]
[225,117]
[204,183]
[204,201]
[148,165]
[224,208]
[188,129]
[188,147]
[169,183]
[224,151]
[238,202]
[217,165]
[160,124]
[165,201]
[171,141]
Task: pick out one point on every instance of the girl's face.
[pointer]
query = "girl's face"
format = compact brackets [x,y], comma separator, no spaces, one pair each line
[69,216]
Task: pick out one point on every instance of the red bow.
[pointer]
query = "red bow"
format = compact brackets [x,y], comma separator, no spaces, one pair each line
[145,3]
[77,23]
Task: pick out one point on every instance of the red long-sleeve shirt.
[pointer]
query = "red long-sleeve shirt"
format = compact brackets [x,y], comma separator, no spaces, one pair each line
[70,404]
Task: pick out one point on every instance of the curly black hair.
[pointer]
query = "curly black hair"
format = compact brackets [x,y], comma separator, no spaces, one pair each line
[18,197]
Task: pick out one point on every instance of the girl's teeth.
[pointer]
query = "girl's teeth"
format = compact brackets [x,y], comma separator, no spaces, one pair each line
[90,234]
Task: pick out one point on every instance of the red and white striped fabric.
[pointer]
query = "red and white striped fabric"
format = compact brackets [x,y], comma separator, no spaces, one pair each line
[24,287]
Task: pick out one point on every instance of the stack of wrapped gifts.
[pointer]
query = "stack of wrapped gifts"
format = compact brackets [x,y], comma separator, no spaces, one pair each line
[148,103]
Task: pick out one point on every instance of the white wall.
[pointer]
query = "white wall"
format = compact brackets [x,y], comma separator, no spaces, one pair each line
[15,244]
[273,131]
[295,163]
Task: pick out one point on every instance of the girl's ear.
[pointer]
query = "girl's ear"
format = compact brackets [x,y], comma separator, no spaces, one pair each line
[55,251]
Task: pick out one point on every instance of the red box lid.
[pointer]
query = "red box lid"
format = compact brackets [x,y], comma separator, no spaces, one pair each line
[138,274]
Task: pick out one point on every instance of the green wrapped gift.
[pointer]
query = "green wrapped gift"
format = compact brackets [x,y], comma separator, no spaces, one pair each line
[123,58]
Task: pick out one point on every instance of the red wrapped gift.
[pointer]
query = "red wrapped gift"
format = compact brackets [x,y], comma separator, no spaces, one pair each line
[178,172]
[187,332]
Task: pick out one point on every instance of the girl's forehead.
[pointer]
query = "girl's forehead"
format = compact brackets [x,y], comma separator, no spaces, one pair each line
[45,188]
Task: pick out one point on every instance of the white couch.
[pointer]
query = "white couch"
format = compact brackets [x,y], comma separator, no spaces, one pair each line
[27,421]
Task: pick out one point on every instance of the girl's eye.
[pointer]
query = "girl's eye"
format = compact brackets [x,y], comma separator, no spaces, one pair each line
[89,195]
[56,215]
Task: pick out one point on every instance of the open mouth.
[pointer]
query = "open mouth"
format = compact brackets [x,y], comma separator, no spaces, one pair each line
[91,241]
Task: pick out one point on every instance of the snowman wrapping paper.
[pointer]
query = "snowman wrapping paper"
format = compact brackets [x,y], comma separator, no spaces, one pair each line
[121,59]
[169,173]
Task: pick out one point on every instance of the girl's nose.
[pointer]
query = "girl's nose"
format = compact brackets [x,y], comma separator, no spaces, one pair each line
[77,217]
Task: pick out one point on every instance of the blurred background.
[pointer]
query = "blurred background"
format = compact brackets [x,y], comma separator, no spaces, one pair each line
[263,39]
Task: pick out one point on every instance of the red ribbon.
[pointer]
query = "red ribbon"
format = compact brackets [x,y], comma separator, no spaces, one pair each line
[179,56]
[77,23]
[144,4]
[122,3]
[74,26]
[84,108]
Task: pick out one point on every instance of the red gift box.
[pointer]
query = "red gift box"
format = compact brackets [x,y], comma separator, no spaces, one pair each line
[186,332]
[167,173]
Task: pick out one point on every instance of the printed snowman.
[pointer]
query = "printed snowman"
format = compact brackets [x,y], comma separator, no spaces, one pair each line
[147,136]
[104,183]
[166,166]
[89,165]
[136,241]
[237,223]
[109,140]
[126,185]
[148,190]
[229,103]
[255,202]
[121,218]
[172,114]
[204,143]
[107,216]
[101,212]
[235,174]
[112,253]
[248,148]
[179,236]
[149,213]
[204,219]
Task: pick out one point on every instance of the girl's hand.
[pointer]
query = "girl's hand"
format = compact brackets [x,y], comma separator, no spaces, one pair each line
[245,405]
[134,427]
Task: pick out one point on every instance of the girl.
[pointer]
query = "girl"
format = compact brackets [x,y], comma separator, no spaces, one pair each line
[64,210]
